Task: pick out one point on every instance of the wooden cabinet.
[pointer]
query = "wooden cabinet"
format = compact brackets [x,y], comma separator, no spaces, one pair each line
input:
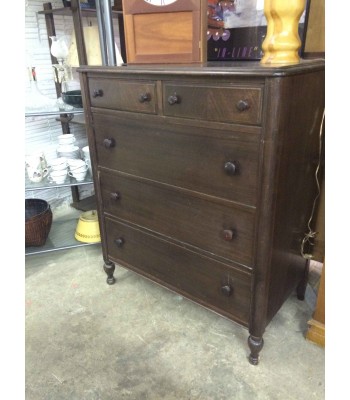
[205,179]
[165,31]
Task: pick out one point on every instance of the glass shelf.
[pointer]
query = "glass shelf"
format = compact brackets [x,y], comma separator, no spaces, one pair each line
[61,236]
[45,184]
[78,119]
[52,113]
[63,226]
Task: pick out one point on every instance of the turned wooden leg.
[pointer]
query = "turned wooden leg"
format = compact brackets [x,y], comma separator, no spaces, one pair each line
[255,344]
[301,289]
[109,268]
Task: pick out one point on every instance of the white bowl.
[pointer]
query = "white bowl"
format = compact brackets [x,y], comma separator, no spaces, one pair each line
[58,172]
[59,181]
[69,154]
[67,148]
[58,161]
[86,151]
[79,176]
[61,167]
[89,165]
[59,164]
[66,139]
[78,169]
[74,163]
[57,176]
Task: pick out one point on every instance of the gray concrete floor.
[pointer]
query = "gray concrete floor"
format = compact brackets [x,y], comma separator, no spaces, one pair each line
[86,340]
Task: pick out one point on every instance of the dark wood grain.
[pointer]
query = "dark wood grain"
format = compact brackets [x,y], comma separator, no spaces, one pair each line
[193,275]
[207,204]
[296,184]
[214,103]
[161,208]
[191,158]
[123,95]
[216,70]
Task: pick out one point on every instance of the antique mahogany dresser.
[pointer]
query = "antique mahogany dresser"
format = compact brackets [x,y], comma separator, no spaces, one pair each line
[205,179]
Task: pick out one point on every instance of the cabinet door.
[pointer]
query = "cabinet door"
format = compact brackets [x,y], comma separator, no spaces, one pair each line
[165,31]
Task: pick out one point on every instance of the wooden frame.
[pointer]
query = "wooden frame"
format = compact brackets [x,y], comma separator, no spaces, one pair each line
[175,33]
[317,330]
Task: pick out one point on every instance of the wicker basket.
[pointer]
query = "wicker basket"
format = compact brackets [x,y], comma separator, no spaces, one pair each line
[38,216]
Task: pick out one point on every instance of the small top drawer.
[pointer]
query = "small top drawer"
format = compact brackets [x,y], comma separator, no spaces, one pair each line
[232,104]
[136,96]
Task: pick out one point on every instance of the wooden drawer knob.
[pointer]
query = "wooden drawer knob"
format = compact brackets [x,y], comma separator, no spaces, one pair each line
[119,242]
[97,93]
[144,97]
[231,167]
[242,105]
[115,196]
[227,290]
[173,99]
[109,143]
[228,234]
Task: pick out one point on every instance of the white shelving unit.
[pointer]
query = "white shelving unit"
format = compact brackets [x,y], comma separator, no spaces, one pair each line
[63,227]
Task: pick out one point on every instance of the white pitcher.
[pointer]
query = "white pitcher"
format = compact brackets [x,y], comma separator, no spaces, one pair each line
[36,167]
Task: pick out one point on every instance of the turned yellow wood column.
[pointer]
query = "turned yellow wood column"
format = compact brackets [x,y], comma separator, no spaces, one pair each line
[282,41]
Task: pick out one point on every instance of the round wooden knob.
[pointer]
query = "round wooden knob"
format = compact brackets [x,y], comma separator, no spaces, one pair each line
[144,97]
[242,105]
[109,143]
[119,242]
[227,290]
[97,93]
[173,99]
[115,196]
[228,234]
[231,167]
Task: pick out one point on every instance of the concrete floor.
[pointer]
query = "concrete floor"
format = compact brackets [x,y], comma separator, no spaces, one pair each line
[86,340]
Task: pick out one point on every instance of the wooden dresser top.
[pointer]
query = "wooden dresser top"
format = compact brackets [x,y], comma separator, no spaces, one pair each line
[217,68]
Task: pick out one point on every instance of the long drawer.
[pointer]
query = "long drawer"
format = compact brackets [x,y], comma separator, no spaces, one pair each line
[219,163]
[233,104]
[216,228]
[213,284]
[135,96]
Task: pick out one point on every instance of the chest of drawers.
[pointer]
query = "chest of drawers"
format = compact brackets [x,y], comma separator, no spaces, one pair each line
[205,179]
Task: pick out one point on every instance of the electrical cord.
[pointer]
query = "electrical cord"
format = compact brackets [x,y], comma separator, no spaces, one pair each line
[312,234]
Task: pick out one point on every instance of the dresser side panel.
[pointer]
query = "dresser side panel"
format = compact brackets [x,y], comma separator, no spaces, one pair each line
[299,121]
[266,199]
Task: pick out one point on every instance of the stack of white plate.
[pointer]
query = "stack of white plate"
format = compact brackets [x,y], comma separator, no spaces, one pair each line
[66,147]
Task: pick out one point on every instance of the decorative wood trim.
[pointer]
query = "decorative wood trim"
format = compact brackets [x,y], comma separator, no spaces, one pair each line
[317,329]
[316,332]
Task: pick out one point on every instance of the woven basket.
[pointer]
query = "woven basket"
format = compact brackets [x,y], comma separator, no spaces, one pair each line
[38,216]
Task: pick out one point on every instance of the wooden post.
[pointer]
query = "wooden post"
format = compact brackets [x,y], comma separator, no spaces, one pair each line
[316,331]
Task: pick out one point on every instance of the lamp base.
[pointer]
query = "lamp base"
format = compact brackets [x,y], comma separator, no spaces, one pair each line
[282,42]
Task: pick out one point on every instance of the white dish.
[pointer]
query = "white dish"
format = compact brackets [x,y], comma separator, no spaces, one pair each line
[67,148]
[66,139]
[69,155]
